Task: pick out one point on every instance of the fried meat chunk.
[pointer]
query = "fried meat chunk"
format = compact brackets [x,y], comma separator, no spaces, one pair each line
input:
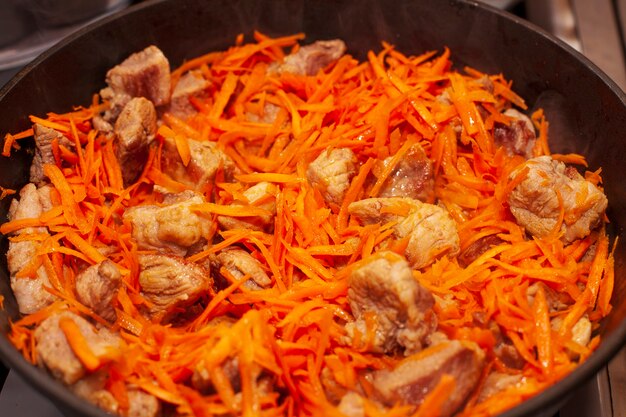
[55,353]
[414,377]
[331,173]
[310,59]
[134,131]
[384,290]
[97,286]
[30,292]
[547,188]
[430,230]
[170,284]
[171,228]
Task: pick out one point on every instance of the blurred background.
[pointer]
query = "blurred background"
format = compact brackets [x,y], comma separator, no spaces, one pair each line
[596,28]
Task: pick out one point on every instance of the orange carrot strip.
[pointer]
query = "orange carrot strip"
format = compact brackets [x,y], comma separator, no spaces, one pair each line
[435,399]
[234,210]
[356,186]
[228,88]
[79,344]
[182,145]
[84,247]
[268,177]
[543,331]
[72,212]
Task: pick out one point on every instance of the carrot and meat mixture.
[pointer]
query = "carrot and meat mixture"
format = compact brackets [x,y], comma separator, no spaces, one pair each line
[279,229]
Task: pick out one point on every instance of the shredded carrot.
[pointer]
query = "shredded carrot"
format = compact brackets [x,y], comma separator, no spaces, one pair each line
[79,344]
[269,336]
[543,330]
[183,149]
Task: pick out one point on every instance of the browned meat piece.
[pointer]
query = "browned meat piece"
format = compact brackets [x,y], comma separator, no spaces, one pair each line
[333,390]
[331,173]
[497,382]
[55,353]
[92,388]
[473,251]
[190,84]
[310,59]
[431,231]
[518,138]
[143,74]
[238,263]
[413,378]
[44,136]
[261,195]
[557,301]
[206,160]
[581,331]
[412,177]
[171,284]
[352,405]
[142,404]
[172,228]
[270,113]
[33,203]
[504,349]
[97,286]
[135,129]
[536,206]
[384,288]
[202,381]
[29,292]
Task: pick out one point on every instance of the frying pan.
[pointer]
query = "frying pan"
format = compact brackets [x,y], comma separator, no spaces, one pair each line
[586,109]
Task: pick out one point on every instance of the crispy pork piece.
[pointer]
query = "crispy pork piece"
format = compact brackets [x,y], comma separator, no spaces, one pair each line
[477,248]
[518,138]
[270,113]
[261,195]
[414,377]
[191,84]
[430,230]
[238,263]
[201,380]
[97,287]
[536,201]
[581,331]
[413,176]
[171,228]
[497,382]
[384,290]
[44,136]
[206,160]
[170,283]
[331,173]
[143,74]
[55,353]
[310,59]
[504,349]
[142,404]
[93,389]
[29,292]
[33,202]
[134,131]
[352,405]
[557,301]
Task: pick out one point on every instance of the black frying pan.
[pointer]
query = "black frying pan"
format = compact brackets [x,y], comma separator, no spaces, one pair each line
[586,109]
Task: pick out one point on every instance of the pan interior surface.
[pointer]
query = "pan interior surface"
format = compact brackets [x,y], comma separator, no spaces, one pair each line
[586,110]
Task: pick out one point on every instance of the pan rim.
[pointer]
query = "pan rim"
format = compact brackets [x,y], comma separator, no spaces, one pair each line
[610,345]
